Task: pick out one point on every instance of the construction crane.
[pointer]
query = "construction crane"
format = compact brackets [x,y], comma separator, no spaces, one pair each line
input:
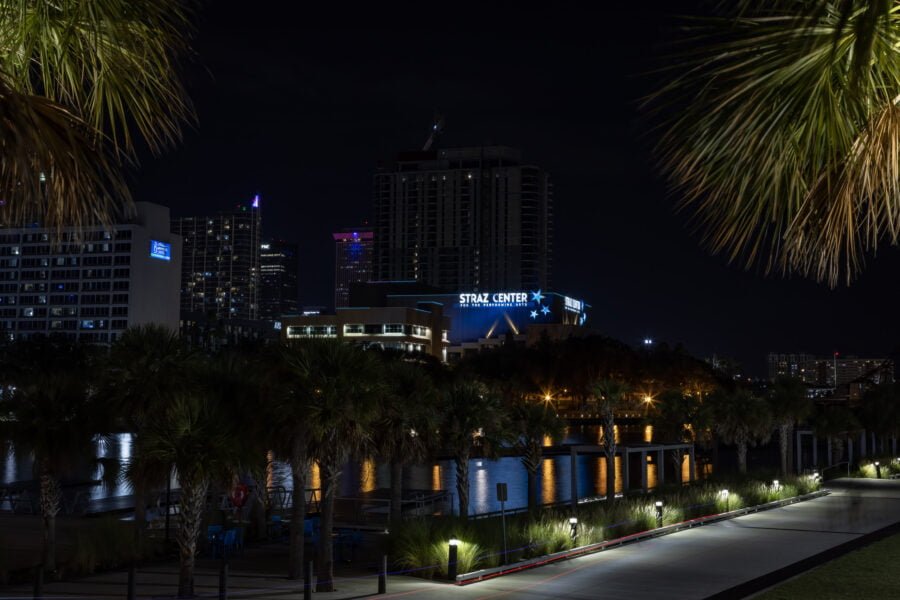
[436,129]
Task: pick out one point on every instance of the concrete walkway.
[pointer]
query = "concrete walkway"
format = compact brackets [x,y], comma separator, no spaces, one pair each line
[696,563]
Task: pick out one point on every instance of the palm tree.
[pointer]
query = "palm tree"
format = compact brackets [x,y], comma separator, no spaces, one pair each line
[810,90]
[340,388]
[405,423]
[610,395]
[879,411]
[835,423]
[788,405]
[470,417]
[742,419]
[80,84]
[146,369]
[678,417]
[49,409]
[195,435]
[531,423]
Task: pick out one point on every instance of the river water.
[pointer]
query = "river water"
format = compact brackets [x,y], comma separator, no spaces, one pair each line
[554,477]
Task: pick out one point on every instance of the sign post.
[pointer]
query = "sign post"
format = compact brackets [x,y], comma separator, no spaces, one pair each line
[502,497]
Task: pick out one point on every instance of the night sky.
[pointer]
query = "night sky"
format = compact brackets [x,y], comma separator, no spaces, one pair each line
[300,107]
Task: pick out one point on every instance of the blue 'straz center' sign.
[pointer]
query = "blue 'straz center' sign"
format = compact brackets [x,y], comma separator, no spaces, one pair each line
[160,250]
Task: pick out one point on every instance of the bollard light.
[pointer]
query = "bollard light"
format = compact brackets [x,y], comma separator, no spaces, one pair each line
[725,494]
[452,559]
[659,513]
[776,485]
[877,469]
[573,527]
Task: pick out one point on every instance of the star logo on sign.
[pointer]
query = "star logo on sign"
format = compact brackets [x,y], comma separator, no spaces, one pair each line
[537,296]
[534,314]
[545,310]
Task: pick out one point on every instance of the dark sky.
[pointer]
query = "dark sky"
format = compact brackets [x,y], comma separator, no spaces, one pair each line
[300,107]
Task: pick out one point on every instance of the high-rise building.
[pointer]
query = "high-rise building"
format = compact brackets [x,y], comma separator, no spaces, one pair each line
[473,219]
[278,267]
[830,371]
[799,365]
[90,284]
[352,261]
[220,266]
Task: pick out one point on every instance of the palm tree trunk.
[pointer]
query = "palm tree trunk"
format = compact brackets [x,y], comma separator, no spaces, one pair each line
[677,461]
[325,579]
[609,443]
[532,453]
[837,449]
[742,456]
[50,500]
[193,501]
[396,490]
[299,466]
[462,483]
[784,431]
[140,516]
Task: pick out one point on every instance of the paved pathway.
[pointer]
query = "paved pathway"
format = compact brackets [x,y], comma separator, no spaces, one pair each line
[695,563]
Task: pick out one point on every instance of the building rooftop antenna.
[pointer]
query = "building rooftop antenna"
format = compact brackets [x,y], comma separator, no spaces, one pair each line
[437,128]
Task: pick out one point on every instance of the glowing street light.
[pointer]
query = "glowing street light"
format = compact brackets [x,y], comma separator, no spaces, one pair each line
[573,525]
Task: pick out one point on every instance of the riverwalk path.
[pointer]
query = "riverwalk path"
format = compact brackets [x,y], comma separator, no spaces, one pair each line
[714,561]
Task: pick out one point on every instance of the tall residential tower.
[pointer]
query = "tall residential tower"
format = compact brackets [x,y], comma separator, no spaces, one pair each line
[278,294]
[471,219]
[220,266]
[352,261]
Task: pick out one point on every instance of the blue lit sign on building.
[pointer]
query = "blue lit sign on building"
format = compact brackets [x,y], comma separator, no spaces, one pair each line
[160,250]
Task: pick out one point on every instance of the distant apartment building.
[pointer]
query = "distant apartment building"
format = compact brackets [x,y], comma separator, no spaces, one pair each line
[92,283]
[832,371]
[464,219]
[278,269]
[221,263]
[352,261]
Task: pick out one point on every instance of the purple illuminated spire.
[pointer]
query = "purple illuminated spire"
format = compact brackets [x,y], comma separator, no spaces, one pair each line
[255,201]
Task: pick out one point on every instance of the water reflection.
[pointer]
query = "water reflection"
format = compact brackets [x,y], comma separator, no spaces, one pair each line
[648,433]
[548,482]
[367,477]
[436,478]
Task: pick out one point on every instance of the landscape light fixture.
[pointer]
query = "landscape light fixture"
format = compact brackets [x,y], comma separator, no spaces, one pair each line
[573,525]
[877,469]
[659,513]
[452,559]
[725,494]
[776,485]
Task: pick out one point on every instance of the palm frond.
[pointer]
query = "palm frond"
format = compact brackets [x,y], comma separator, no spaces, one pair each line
[113,62]
[781,143]
[53,169]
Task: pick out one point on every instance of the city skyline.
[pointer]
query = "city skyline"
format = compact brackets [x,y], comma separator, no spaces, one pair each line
[312,142]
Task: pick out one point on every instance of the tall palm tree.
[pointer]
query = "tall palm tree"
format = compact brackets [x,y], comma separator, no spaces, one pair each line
[835,422]
[742,419]
[81,84]
[788,404]
[405,424]
[49,409]
[341,389]
[195,435]
[470,417]
[610,395]
[879,411]
[779,124]
[532,422]
[146,369]
[678,417]
[284,421]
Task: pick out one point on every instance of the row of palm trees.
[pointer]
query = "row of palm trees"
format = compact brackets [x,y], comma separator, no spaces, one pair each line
[209,419]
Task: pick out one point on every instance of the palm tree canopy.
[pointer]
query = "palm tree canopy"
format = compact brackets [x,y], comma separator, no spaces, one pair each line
[406,422]
[742,416]
[49,407]
[533,421]
[779,126]
[80,84]
[610,393]
[788,401]
[472,416]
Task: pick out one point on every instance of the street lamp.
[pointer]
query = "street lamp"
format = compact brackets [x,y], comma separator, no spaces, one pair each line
[659,513]
[453,559]
[725,494]
[573,526]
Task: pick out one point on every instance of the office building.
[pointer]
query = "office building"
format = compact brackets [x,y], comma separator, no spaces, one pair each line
[90,284]
[352,261]
[471,219]
[220,267]
[831,371]
[414,330]
[278,270]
